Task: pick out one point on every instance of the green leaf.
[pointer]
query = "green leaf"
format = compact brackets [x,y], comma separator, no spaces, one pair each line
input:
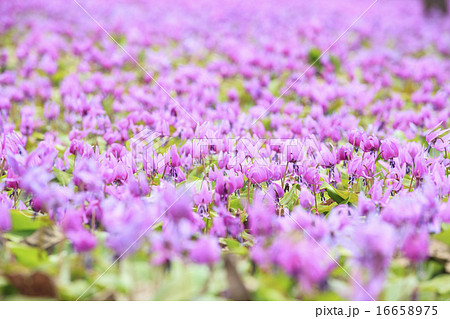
[400,288]
[443,236]
[340,196]
[433,268]
[273,286]
[234,246]
[183,282]
[336,63]
[62,177]
[290,197]
[350,197]
[314,57]
[235,203]
[73,289]
[327,296]
[28,256]
[439,284]
[26,221]
[326,208]
[334,195]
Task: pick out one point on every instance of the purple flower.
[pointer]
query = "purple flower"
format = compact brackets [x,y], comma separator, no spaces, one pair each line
[365,205]
[306,198]
[444,212]
[224,187]
[355,137]
[5,104]
[139,186]
[408,152]
[82,240]
[28,123]
[236,179]
[305,261]
[5,218]
[438,138]
[205,250]
[415,245]
[225,224]
[172,157]
[275,191]
[368,166]
[355,167]
[223,160]
[420,167]
[202,199]
[177,204]
[369,143]
[312,177]
[86,175]
[402,211]
[51,110]
[327,158]
[125,221]
[376,193]
[345,153]
[373,246]
[262,218]
[388,149]
[258,174]
[203,196]
[315,225]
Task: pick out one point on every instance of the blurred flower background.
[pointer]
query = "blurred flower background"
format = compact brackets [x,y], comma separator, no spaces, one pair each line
[323,168]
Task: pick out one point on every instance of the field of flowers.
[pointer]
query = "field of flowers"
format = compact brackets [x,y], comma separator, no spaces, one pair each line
[224,150]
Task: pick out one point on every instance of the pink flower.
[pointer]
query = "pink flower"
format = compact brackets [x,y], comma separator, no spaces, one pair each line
[376,193]
[415,245]
[327,158]
[306,198]
[345,153]
[370,143]
[5,218]
[311,176]
[202,199]
[355,167]
[223,160]
[355,138]
[438,138]
[51,110]
[388,149]
[205,250]
[172,157]
[237,179]
[275,191]
[258,174]
[82,240]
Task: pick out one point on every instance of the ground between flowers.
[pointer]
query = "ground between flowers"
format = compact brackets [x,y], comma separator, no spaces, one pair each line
[336,190]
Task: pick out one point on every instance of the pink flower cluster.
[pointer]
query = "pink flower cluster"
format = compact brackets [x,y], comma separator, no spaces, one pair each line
[372,111]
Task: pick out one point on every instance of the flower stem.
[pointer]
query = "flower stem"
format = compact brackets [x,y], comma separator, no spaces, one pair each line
[284,177]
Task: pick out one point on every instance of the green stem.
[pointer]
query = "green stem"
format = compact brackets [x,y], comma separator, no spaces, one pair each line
[315,198]
[164,172]
[284,177]
[410,184]
[248,194]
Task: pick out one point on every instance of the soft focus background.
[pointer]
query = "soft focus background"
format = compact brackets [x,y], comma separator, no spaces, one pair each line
[362,215]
